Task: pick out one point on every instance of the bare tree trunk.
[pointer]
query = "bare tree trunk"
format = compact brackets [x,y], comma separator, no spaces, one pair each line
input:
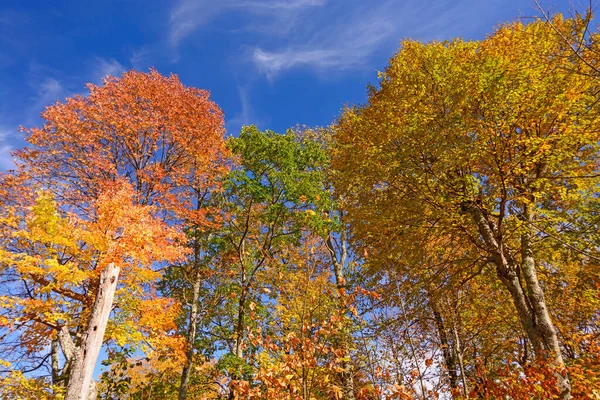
[239,331]
[239,327]
[86,355]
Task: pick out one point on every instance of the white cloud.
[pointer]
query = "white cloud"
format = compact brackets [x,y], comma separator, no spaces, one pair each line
[51,90]
[138,59]
[48,92]
[274,15]
[104,67]
[333,34]
[312,33]
[245,116]
[338,46]
[346,41]
[6,160]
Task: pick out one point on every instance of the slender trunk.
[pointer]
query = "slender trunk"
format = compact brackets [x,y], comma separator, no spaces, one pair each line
[347,373]
[459,357]
[239,328]
[191,336]
[511,281]
[449,357]
[531,304]
[86,355]
[508,272]
[411,345]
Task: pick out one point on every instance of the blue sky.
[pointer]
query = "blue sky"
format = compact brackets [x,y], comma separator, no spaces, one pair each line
[274,63]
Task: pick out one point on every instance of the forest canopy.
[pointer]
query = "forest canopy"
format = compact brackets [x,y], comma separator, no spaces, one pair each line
[440,241]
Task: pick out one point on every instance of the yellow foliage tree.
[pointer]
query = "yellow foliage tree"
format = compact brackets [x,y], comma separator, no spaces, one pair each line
[493,144]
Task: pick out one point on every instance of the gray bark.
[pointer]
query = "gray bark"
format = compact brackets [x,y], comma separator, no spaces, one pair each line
[544,324]
[85,357]
[66,343]
[54,362]
[530,302]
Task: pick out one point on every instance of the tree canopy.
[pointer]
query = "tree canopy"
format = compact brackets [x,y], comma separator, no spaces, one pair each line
[439,241]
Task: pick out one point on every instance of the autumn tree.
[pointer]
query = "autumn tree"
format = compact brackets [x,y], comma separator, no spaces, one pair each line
[120,167]
[273,200]
[265,204]
[492,143]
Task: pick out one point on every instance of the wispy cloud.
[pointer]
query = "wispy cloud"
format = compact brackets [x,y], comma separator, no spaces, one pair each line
[245,116]
[49,86]
[6,160]
[189,15]
[138,58]
[337,45]
[48,92]
[329,35]
[355,32]
[104,67]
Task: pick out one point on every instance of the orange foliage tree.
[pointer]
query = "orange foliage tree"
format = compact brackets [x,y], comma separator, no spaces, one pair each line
[96,208]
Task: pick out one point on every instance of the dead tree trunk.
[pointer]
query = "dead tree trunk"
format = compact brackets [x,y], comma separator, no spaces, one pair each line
[86,355]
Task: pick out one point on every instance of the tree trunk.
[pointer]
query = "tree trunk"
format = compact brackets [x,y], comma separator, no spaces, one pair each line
[54,360]
[86,355]
[239,326]
[239,332]
[447,351]
[531,304]
[459,357]
[544,324]
[347,373]
[191,336]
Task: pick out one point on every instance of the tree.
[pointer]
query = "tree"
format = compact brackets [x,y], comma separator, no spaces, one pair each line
[488,143]
[121,163]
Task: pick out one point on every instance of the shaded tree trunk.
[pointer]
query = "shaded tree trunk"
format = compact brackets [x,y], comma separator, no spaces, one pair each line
[193,318]
[544,324]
